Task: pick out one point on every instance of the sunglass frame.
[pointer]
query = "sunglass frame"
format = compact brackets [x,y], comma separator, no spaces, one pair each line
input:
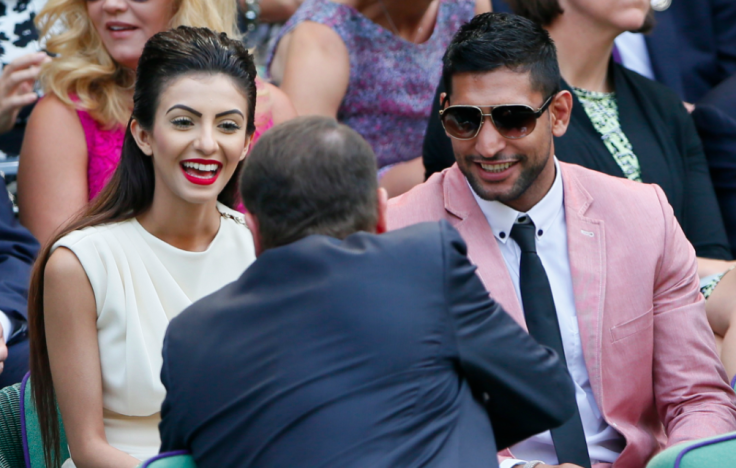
[537,113]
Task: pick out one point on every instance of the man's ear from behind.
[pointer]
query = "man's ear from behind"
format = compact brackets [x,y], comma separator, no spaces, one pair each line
[252,222]
[382,206]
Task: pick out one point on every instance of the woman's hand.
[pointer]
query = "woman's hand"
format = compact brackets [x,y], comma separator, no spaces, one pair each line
[16,87]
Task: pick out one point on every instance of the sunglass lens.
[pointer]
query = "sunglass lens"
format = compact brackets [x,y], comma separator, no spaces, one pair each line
[462,122]
[514,121]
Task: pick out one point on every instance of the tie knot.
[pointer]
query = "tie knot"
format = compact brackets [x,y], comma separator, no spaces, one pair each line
[523,234]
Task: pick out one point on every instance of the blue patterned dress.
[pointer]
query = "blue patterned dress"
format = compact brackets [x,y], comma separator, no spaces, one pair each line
[392,81]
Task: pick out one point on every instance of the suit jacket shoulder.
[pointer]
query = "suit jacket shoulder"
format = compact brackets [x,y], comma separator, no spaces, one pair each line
[425,202]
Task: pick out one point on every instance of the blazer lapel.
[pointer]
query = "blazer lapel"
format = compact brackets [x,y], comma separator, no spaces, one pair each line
[482,246]
[586,243]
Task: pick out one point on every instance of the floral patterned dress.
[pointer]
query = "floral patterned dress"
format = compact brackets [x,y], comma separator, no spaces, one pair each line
[392,81]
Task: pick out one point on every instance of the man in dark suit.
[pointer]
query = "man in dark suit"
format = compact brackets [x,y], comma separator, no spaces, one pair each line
[339,347]
[693,46]
[18,250]
[715,119]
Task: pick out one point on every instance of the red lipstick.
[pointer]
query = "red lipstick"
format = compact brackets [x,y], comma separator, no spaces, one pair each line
[201,171]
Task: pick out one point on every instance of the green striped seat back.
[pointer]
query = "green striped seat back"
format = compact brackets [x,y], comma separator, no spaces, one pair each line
[31,430]
[712,451]
[11,446]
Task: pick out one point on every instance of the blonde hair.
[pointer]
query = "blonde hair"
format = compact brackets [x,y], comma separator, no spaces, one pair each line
[84,67]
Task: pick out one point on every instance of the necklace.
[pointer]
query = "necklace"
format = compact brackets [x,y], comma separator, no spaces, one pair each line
[388,17]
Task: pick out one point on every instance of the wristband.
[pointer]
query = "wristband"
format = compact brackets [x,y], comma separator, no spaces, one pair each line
[532,464]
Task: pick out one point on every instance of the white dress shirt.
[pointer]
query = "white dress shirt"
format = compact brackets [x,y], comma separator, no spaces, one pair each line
[604,443]
[6,325]
[634,53]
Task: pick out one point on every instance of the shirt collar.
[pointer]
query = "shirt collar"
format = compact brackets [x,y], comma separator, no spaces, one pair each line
[501,218]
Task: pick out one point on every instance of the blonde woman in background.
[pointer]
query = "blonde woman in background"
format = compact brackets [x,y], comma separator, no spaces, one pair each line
[74,136]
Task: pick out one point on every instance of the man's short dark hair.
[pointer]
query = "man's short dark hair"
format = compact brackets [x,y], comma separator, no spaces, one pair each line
[310,175]
[501,40]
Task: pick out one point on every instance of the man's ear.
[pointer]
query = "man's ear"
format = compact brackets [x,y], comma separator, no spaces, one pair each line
[560,110]
[382,224]
[246,148]
[444,99]
[142,137]
[252,222]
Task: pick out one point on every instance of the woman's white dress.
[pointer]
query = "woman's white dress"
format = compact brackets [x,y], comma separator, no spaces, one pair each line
[140,283]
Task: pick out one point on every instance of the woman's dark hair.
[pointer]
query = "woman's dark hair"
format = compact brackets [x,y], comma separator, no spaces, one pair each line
[166,56]
[544,12]
[501,40]
[540,11]
[310,175]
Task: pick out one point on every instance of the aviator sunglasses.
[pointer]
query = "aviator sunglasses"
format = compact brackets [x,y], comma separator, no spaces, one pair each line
[513,121]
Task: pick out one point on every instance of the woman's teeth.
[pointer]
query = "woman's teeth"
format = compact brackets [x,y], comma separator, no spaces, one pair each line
[201,167]
[203,171]
[496,167]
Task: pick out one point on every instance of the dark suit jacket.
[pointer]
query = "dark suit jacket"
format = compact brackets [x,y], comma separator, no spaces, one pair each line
[664,139]
[715,119]
[693,46]
[18,250]
[368,352]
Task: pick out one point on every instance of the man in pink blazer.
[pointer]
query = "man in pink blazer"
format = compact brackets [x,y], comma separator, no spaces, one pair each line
[620,274]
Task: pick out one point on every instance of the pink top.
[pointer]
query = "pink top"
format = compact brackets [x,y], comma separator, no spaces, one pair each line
[104,145]
[103,151]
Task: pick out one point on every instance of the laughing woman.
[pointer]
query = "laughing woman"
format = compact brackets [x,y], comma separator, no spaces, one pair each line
[74,135]
[158,237]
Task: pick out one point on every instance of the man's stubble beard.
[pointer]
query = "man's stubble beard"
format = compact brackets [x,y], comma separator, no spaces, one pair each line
[526,179]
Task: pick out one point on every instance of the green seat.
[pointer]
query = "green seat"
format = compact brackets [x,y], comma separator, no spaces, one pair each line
[712,451]
[11,444]
[20,435]
[179,459]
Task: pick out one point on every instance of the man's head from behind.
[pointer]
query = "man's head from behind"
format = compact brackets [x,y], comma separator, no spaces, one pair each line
[503,106]
[308,176]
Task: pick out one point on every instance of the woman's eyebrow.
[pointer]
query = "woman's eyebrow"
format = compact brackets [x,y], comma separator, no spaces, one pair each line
[232,111]
[186,108]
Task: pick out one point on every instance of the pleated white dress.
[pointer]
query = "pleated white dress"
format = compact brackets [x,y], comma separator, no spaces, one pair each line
[140,283]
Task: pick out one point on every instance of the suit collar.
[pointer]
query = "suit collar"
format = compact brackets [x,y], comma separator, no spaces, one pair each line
[482,247]
[502,217]
[586,246]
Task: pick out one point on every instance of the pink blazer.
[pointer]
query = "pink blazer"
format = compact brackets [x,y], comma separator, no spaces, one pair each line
[649,350]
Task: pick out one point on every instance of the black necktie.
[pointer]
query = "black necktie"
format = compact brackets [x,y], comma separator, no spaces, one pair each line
[541,320]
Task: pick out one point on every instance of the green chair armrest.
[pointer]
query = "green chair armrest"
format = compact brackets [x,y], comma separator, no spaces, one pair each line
[179,459]
[31,436]
[711,451]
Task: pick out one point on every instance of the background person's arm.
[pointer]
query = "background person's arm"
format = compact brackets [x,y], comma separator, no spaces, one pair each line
[313,68]
[702,221]
[70,313]
[18,251]
[281,107]
[529,389]
[52,173]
